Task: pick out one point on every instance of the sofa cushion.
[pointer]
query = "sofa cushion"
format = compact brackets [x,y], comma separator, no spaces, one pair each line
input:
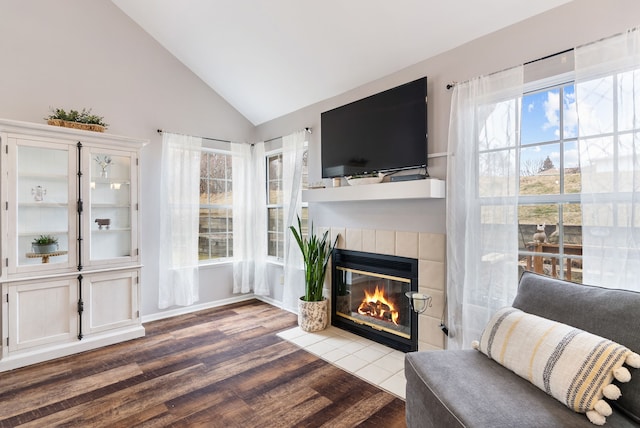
[610,313]
[570,364]
[464,388]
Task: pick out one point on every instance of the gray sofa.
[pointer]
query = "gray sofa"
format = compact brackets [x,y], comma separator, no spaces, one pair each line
[464,388]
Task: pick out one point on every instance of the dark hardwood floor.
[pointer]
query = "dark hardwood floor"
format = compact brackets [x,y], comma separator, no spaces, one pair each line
[223,367]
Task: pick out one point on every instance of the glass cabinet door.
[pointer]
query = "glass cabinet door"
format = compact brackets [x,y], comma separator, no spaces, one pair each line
[111,207]
[44,237]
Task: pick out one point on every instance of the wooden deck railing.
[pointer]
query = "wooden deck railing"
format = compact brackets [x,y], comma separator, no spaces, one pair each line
[536,263]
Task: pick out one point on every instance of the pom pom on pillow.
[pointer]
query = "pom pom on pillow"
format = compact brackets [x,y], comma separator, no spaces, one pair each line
[573,366]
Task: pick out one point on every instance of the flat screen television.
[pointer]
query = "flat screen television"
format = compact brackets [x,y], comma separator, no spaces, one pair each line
[383,132]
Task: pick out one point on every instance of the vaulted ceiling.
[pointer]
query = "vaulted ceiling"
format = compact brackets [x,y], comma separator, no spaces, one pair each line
[268,58]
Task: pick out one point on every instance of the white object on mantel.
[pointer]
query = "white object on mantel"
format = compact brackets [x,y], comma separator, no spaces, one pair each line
[415,189]
[359,181]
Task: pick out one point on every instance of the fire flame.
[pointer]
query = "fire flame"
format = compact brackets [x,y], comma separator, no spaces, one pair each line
[376,305]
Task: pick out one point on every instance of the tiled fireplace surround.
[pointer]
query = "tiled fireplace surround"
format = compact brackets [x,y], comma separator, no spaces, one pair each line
[428,248]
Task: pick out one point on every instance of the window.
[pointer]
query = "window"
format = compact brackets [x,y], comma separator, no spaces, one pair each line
[275,209]
[215,240]
[549,212]
[554,171]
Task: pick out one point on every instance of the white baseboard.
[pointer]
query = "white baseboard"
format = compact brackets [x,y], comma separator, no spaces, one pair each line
[197,307]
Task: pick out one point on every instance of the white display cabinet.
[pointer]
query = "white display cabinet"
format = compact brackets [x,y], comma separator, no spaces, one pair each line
[81,188]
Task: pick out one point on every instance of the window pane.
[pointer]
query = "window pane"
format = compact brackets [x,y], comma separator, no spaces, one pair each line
[218,165]
[275,232]
[540,117]
[595,106]
[628,119]
[628,162]
[538,172]
[304,221]
[305,170]
[275,193]
[274,165]
[536,223]
[570,119]
[594,156]
[571,169]
[496,171]
[571,230]
[500,125]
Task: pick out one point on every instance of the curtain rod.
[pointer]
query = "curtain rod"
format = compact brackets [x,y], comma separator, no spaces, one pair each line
[160,131]
[307,129]
[451,85]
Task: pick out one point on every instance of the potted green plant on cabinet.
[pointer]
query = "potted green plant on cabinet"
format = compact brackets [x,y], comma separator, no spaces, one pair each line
[44,244]
[312,307]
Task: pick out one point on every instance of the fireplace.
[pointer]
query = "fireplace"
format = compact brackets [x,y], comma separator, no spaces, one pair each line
[368,297]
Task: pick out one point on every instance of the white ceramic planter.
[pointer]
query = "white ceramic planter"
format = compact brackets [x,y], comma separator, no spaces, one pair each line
[44,248]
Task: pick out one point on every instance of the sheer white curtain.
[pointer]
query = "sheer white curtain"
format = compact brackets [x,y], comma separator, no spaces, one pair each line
[293,147]
[249,218]
[179,214]
[608,101]
[482,215]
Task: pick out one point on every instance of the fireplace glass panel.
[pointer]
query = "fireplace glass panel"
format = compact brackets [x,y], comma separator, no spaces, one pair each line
[375,300]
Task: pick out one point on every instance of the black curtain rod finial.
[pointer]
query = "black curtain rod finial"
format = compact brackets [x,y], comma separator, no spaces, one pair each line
[451,85]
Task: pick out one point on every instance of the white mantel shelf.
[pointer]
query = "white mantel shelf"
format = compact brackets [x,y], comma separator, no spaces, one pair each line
[414,189]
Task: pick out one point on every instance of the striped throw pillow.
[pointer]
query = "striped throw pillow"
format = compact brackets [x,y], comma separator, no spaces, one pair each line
[574,366]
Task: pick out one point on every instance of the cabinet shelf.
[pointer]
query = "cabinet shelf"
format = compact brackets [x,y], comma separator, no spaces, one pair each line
[109,182]
[42,176]
[415,189]
[42,232]
[94,206]
[111,230]
[43,205]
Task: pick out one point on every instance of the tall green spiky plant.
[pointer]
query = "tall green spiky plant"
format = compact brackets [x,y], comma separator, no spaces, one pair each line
[315,254]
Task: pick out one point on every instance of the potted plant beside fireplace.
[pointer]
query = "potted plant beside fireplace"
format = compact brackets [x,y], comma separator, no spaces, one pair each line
[316,251]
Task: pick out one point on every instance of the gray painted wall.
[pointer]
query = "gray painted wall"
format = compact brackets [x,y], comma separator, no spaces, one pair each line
[78,53]
[571,25]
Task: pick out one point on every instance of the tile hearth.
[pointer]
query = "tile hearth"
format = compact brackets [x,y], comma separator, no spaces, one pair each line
[375,363]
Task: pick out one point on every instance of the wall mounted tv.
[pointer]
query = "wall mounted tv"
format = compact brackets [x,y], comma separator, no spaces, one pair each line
[384,132]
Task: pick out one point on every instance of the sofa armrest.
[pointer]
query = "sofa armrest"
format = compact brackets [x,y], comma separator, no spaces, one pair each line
[466,389]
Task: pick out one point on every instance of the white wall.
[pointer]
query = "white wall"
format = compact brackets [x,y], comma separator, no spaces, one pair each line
[571,25]
[79,53]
